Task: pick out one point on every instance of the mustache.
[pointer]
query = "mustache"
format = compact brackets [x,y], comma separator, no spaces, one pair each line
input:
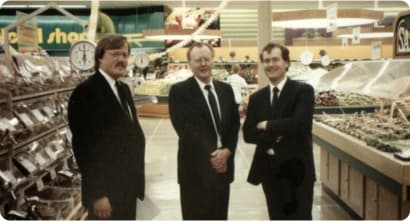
[121,64]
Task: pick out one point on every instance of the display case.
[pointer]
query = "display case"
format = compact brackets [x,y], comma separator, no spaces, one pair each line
[365,85]
[358,148]
[39,178]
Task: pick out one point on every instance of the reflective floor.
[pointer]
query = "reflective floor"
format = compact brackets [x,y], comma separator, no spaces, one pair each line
[246,202]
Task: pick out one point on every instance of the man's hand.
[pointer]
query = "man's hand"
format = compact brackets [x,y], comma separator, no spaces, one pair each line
[262,125]
[219,159]
[102,208]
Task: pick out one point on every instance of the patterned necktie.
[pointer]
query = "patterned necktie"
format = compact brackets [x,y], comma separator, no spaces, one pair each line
[214,108]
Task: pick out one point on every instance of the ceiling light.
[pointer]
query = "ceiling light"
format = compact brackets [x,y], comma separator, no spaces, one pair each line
[162,34]
[317,18]
[366,33]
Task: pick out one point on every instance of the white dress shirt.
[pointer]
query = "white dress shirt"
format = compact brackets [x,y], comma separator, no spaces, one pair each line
[111,82]
[205,93]
[280,86]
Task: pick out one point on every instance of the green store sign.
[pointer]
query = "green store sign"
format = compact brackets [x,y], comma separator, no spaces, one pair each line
[56,33]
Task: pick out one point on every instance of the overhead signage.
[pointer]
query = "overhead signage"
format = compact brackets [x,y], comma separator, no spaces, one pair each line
[401,35]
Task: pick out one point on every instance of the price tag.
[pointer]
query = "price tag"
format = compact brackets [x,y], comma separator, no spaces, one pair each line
[14,121]
[53,174]
[51,153]
[69,136]
[40,184]
[66,173]
[9,124]
[59,147]
[40,159]
[48,111]
[26,120]
[26,163]
[4,177]
[4,124]
[38,115]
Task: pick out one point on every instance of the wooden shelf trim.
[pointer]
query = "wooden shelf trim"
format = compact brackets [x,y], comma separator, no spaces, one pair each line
[382,167]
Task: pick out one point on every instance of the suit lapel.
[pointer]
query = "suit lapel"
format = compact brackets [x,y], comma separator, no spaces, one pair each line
[199,100]
[265,103]
[222,102]
[109,97]
[285,95]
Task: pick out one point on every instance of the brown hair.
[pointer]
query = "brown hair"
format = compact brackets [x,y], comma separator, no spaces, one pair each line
[284,51]
[198,45]
[236,68]
[106,43]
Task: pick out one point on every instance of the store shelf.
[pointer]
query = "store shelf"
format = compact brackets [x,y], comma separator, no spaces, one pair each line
[32,139]
[37,95]
[347,109]
[33,178]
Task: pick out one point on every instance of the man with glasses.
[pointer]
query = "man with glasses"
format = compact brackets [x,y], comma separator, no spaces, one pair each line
[108,141]
[205,116]
[279,122]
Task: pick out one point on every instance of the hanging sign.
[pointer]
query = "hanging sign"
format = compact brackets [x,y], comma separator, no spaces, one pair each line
[356,35]
[345,42]
[331,17]
[402,35]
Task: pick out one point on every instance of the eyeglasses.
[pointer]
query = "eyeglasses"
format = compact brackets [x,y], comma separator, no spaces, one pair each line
[118,54]
[202,61]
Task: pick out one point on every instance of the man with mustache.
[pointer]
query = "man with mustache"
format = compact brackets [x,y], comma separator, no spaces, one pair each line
[279,122]
[108,141]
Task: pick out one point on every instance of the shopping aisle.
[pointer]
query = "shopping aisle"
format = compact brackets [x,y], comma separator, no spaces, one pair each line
[246,201]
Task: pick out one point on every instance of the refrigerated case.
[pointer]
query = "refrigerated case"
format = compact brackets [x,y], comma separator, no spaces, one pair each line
[369,181]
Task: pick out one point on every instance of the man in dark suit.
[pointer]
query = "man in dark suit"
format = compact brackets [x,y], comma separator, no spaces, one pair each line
[108,141]
[279,122]
[205,116]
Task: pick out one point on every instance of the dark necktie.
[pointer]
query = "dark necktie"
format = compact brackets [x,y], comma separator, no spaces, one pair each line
[122,96]
[214,108]
[274,103]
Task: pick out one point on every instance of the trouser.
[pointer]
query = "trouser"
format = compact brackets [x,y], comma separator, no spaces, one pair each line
[204,203]
[287,202]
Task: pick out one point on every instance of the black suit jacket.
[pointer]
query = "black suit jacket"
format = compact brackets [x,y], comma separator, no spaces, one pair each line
[108,146]
[192,121]
[289,134]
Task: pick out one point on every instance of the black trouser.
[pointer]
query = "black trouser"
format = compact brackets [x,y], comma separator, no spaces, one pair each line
[123,208]
[287,202]
[204,203]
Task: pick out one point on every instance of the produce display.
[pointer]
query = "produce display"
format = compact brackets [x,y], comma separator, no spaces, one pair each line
[340,98]
[379,130]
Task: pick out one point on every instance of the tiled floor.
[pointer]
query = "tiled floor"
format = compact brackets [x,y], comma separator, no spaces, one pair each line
[246,201]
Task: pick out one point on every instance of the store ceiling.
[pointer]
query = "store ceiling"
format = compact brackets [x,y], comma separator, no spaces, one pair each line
[239,18]
[233,4]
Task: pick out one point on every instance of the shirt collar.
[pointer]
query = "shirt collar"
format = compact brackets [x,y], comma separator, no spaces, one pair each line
[107,77]
[279,86]
[202,84]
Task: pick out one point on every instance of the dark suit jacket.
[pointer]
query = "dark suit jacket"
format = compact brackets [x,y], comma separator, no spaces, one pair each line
[192,121]
[293,151]
[108,146]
